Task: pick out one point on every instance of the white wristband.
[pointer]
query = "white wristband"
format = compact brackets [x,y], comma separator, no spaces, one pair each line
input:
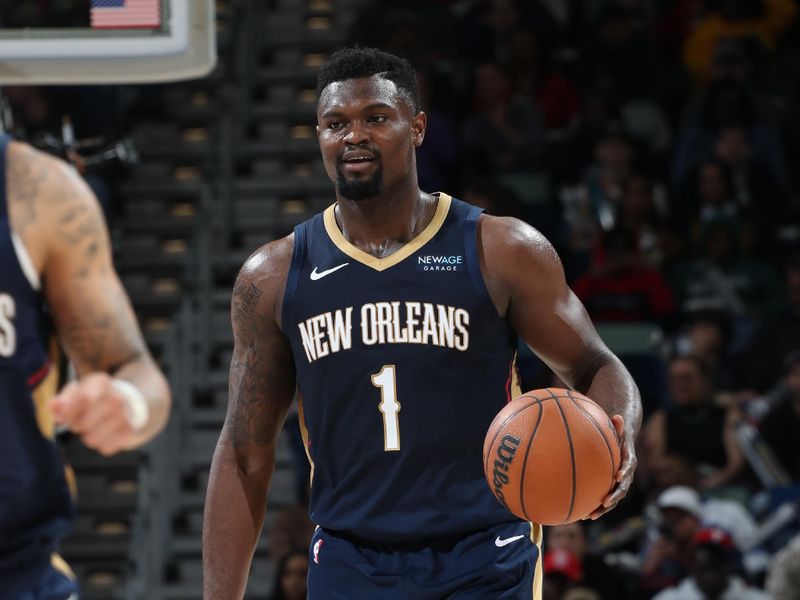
[136,407]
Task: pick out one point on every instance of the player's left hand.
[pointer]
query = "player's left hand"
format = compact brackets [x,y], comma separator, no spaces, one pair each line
[624,473]
[96,411]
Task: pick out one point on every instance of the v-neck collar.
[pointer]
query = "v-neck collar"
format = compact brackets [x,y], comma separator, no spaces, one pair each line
[380,264]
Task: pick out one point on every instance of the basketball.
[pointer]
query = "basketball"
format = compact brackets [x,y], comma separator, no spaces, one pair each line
[550,456]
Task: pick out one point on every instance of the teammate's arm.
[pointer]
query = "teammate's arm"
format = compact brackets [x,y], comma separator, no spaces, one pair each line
[60,221]
[261,388]
[526,281]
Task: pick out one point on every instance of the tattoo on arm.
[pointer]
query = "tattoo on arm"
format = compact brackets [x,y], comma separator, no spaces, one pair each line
[102,338]
[47,193]
[245,301]
[81,225]
[78,222]
[25,176]
[88,303]
[256,379]
[251,422]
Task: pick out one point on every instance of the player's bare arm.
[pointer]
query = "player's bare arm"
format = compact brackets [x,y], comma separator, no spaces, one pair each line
[527,284]
[59,221]
[261,388]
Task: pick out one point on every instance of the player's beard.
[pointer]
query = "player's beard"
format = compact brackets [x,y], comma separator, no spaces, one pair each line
[359,189]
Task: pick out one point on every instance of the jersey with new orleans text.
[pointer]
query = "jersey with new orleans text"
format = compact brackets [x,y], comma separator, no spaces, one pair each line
[402,363]
[35,500]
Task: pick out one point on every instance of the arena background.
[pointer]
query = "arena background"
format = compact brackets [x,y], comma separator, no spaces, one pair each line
[656,143]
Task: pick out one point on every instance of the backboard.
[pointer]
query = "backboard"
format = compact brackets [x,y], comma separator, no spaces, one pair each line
[108,41]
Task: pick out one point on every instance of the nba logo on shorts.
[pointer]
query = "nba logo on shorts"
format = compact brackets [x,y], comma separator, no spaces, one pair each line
[317,547]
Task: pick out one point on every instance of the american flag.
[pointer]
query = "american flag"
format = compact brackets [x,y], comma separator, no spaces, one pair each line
[118,14]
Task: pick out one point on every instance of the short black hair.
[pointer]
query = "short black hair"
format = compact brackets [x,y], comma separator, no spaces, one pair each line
[355,63]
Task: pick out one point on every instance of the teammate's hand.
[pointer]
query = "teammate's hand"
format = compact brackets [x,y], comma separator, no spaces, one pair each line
[96,411]
[624,473]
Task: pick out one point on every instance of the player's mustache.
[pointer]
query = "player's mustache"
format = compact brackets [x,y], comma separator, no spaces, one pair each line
[351,151]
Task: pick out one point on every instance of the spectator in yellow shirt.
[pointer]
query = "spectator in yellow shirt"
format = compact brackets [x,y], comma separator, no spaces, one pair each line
[764,20]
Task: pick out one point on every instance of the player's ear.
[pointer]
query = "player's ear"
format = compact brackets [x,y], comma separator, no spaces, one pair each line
[418,125]
[317,131]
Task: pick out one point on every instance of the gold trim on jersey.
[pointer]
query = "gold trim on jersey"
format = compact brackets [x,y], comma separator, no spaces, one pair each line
[516,387]
[379,264]
[537,534]
[45,390]
[59,564]
[41,393]
[301,418]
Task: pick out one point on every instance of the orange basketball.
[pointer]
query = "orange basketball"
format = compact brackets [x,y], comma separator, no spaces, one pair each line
[550,456]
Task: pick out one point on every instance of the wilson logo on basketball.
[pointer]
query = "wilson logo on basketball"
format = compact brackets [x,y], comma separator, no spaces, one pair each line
[567,440]
[505,454]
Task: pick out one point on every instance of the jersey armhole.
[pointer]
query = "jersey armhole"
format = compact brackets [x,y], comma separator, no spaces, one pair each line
[471,251]
[26,263]
[298,258]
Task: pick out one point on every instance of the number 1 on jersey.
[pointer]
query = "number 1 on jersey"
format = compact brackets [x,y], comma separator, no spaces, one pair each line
[386,382]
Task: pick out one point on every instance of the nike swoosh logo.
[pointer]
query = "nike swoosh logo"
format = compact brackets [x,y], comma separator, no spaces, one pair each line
[500,543]
[321,274]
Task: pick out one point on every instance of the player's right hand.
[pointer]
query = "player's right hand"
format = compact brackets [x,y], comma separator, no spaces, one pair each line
[624,476]
[96,411]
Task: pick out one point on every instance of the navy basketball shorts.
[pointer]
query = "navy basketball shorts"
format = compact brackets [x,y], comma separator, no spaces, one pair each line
[53,581]
[498,563]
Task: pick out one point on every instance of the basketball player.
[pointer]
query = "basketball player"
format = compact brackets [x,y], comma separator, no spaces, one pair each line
[56,278]
[396,314]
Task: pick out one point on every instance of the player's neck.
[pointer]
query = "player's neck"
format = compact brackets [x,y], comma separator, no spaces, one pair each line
[383,224]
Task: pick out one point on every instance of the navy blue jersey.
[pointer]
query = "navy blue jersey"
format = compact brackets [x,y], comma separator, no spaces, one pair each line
[35,500]
[402,363]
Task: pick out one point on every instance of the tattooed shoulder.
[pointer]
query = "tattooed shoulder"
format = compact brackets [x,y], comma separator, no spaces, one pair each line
[45,191]
[259,288]
[27,172]
[246,295]
[247,317]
